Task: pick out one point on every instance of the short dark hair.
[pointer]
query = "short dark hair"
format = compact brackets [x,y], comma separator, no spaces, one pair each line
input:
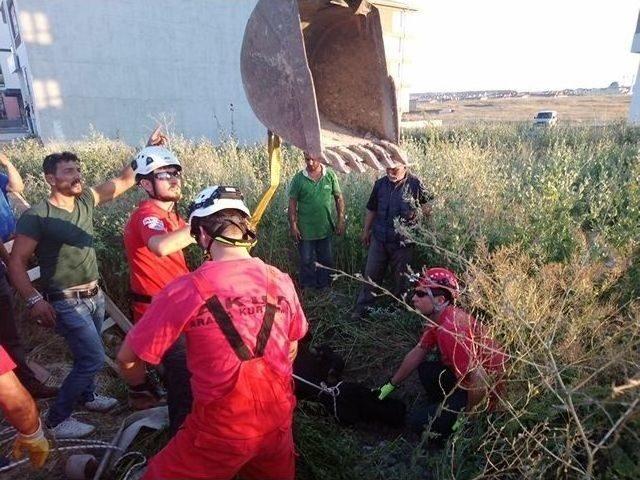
[51,161]
[216,223]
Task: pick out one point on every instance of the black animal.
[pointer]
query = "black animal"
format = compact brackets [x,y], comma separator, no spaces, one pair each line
[317,365]
[357,403]
[349,402]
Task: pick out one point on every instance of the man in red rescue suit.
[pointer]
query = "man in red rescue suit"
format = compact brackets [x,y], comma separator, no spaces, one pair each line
[154,238]
[242,320]
[471,364]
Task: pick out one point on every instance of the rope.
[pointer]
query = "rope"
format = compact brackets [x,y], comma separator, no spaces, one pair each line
[133,467]
[88,446]
[7,430]
[334,392]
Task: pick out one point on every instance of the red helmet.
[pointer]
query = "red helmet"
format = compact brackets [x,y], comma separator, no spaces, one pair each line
[438,277]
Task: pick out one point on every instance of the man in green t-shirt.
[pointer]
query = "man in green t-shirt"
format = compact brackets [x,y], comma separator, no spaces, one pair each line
[59,230]
[312,194]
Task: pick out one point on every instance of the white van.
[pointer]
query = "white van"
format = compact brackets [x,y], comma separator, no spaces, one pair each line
[546,118]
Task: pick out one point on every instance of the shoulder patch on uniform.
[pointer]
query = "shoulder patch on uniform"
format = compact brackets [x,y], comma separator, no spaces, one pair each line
[154,223]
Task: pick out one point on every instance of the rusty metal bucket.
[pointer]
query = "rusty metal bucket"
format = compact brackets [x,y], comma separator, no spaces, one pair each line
[315,74]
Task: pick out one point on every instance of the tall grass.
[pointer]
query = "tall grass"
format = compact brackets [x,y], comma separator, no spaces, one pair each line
[542,226]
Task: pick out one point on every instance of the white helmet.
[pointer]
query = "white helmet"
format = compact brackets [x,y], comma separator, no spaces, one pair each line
[151,158]
[216,198]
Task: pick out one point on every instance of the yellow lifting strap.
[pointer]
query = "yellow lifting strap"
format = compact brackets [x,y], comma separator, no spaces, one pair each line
[275,166]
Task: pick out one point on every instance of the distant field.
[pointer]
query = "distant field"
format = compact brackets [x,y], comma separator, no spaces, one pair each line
[580,110]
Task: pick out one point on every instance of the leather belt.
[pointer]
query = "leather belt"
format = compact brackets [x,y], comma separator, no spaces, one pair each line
[67,294]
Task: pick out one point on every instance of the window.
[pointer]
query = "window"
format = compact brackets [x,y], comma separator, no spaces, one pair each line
[13,19]
[4,16]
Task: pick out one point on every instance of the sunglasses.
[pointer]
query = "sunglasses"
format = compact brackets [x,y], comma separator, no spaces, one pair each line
[168,175]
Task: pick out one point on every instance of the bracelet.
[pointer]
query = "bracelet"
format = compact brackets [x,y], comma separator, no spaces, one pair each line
[33,299]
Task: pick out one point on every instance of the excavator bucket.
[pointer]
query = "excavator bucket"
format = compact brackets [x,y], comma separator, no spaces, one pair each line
[315,74]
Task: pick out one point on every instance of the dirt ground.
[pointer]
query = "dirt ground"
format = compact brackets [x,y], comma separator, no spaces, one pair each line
[577,110]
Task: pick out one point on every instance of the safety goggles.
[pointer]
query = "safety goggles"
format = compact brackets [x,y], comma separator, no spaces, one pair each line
[168,175]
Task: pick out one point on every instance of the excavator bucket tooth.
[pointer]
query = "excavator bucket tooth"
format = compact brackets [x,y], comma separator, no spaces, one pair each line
[315,73]
[367,156]
[334,160]
[355,163]
[381,154]
[394,151]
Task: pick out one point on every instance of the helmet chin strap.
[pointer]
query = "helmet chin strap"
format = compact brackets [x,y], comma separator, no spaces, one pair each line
[153,187]
[249,243]
[440,308]
[437,308]
[248,239]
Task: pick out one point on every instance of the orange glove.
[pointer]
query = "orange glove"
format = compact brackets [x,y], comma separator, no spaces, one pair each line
[36,446]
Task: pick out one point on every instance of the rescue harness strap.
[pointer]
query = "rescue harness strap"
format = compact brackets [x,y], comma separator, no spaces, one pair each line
[226,325]
[231,333]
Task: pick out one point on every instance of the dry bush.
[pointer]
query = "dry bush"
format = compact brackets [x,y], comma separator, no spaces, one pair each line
[572,406]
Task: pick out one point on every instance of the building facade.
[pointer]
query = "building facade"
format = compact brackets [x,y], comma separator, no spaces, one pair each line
[120,66]
[13,117]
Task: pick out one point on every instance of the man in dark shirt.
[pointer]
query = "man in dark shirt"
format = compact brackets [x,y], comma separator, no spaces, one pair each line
[59,230]
[395,197]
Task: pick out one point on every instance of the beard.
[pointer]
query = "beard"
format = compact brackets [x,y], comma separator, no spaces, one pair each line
[169,197]
[74,189]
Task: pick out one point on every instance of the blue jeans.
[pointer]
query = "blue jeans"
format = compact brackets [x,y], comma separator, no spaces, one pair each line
[312,251]
[79,321]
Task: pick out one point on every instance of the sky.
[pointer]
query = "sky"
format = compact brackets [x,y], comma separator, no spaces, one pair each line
[522,45]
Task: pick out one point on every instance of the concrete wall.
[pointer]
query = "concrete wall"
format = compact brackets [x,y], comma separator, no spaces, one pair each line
[121,64]
[398,43]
